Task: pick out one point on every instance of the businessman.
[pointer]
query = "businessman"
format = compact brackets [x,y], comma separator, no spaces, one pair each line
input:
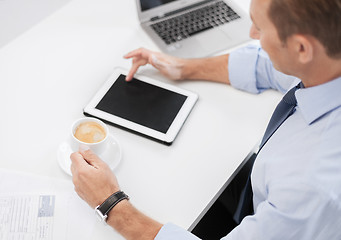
[296,178]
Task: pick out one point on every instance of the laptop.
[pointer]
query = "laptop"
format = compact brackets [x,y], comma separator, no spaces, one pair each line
[217,218]
[194,28]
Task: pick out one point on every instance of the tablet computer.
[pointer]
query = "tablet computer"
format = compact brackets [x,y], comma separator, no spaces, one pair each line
[145,106]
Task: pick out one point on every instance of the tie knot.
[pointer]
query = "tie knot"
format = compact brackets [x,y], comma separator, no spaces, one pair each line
[289,97]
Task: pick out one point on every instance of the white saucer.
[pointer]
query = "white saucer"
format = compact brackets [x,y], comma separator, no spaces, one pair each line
[112,156]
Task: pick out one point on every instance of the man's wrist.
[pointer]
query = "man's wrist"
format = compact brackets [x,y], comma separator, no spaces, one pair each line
[121,208]
[131,223]
[121,211]
[103,210]
[189,68]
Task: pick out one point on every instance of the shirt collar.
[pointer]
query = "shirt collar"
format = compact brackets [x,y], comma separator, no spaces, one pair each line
[316,101]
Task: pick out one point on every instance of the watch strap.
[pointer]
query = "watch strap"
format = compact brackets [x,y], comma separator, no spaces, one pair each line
[111,202]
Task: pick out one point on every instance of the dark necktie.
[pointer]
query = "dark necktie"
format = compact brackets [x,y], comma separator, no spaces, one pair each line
[284,109]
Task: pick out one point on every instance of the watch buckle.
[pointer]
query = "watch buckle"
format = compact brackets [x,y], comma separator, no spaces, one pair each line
[100,215]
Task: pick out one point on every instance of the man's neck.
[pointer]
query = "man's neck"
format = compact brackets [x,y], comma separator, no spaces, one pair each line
[323,70]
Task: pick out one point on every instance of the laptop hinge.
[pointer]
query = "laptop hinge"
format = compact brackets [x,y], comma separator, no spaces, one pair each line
[157,17]
[180,10]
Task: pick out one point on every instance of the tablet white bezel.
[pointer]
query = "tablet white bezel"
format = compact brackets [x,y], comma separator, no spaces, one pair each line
[176,125]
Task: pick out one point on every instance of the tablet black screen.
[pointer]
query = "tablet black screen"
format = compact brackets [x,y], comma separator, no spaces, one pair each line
[142,103]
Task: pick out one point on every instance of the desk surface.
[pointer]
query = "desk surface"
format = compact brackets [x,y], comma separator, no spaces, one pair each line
[49,73]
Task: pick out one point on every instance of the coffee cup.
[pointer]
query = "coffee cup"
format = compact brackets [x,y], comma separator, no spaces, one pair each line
[89,133]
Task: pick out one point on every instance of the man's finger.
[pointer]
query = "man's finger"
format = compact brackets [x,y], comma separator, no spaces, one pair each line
[132,72]
[134,53]
[134,69]
[77,161]
[91,158]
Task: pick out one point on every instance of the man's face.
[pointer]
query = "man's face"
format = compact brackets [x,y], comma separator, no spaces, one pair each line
[263,29]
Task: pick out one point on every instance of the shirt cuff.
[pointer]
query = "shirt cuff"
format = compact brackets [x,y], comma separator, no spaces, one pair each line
[242,68]
[170,231]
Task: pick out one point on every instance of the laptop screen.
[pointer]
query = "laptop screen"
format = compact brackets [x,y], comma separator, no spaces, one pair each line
[148,4]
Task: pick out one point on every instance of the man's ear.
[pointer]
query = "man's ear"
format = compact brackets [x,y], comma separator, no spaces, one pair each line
[303,47]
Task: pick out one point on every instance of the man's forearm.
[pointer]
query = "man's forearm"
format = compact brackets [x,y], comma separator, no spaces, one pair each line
[212,69]
[131,223]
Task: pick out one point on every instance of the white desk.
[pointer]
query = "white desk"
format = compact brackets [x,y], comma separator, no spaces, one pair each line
[48,74]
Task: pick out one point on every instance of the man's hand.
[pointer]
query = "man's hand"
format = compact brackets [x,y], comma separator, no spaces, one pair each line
[169,66]
[209,69]
[94,181]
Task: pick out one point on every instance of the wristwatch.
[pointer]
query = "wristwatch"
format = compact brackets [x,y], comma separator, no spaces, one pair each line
[102,210]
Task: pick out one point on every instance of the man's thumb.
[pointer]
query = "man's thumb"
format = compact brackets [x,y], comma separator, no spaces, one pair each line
[90,157]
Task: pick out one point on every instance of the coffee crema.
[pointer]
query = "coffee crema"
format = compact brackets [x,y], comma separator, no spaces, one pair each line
[90,132]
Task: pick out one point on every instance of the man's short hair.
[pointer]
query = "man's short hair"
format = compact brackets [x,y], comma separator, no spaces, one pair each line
[318,18]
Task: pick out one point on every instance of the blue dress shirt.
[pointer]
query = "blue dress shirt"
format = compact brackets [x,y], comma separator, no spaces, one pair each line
[296,178]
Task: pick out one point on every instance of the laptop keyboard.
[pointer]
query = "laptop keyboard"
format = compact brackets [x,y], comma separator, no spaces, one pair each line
[183,26]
